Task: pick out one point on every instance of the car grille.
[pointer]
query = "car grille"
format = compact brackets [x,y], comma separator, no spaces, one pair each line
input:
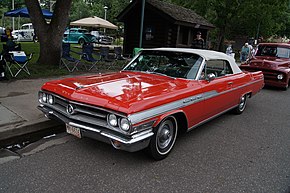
[82,113]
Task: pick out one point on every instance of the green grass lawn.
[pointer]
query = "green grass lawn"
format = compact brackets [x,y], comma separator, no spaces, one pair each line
[40,71]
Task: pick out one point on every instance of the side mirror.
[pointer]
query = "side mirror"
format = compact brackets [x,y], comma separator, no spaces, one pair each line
[210,77]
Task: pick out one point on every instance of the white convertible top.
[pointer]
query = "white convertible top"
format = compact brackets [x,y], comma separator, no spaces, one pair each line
[206,54]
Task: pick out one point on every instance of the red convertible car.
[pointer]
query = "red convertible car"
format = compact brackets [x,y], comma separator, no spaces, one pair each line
[273,59]
[161,92]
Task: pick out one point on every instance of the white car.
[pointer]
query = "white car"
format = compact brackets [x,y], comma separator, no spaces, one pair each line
[25,33]
[102,38]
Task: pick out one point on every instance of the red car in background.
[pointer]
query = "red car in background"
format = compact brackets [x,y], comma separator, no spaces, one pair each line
[160,93]
[273,59]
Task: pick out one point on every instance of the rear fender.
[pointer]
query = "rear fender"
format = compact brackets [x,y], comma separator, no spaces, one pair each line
[256,75]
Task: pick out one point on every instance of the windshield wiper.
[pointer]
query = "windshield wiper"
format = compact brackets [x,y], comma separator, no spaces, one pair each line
[150,72]
[158,73]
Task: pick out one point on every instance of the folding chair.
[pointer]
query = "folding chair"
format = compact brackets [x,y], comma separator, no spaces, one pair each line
[118,56]
[105,57]
[7,48]
[87,56]
[104,53]
[18,62]
[118,53]
[67,61]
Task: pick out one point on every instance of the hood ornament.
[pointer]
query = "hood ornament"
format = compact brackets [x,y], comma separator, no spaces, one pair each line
[78,85]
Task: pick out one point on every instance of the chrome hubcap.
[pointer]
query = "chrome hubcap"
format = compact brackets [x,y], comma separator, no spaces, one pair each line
[164,135]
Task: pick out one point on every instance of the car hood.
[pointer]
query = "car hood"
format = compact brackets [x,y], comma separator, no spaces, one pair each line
[269,62]
[126,92]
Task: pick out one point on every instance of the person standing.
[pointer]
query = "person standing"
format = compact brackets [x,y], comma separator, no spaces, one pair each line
[245,53]
[254,50]
[198,42]
[229,50]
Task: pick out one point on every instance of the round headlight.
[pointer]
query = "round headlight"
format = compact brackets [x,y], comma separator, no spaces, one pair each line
[124,124]
[44,97]
[50,99]
[112,119]
[280,76]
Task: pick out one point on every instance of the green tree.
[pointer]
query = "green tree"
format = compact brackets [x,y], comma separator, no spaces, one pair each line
[262,17]
[80,9]
[286,28]
[242,17]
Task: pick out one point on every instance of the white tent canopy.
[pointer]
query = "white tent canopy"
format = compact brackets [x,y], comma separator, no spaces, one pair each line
[94,22]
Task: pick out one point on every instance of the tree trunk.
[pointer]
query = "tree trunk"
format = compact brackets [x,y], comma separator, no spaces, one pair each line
[49,35]
[221,38]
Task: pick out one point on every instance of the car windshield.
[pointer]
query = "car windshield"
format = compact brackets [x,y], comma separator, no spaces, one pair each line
[173,64]
[274,51]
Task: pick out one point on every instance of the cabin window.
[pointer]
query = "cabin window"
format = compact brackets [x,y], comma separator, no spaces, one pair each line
[218,67]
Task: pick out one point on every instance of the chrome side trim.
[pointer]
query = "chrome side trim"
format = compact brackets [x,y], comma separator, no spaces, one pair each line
[148,131]
[153,112]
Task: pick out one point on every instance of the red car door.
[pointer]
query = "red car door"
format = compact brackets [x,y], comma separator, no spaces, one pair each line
[216,96]
[217,93]
[238,88]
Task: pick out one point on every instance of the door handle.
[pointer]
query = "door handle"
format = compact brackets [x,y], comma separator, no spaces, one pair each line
[230,83]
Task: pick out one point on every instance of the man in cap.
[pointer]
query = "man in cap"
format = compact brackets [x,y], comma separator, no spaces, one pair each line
[198,42]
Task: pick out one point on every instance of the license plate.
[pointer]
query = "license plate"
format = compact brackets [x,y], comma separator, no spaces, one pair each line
[73,131]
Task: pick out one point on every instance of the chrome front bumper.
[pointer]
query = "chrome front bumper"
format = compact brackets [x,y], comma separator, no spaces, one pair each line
[130,143]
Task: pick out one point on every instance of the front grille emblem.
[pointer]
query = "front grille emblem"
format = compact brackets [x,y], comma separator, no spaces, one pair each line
[70,109]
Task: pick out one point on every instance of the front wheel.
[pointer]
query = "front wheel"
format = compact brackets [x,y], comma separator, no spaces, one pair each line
[242,105]
[164,138]
[82,41]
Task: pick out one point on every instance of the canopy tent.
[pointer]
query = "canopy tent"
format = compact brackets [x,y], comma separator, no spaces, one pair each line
[23,12]
[94,22]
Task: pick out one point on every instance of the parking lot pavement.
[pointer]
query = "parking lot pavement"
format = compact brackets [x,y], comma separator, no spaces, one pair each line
[18,108]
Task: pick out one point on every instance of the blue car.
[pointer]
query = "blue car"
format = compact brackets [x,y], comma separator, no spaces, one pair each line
[78,36]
